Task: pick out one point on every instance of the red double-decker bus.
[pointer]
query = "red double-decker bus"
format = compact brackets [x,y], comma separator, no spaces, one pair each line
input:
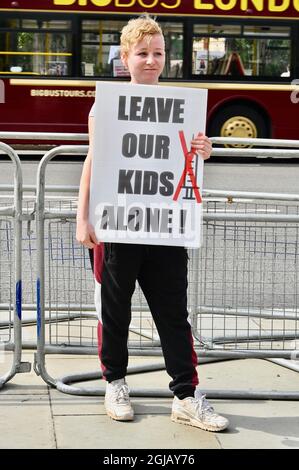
[245,52]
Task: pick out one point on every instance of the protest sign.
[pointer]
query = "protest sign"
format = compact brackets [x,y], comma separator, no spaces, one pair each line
[146,179]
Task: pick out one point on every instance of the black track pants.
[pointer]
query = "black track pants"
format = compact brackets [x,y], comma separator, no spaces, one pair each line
[162,275]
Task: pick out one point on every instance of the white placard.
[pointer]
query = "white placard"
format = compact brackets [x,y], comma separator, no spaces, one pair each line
[142,188]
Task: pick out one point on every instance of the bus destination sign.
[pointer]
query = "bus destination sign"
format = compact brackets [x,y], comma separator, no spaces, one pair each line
[237,8]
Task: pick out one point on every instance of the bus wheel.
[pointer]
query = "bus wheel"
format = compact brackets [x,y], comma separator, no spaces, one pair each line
[238,121]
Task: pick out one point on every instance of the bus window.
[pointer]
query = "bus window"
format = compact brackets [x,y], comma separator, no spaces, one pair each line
[35,47]
[257,51]
[271,49]
[100,48]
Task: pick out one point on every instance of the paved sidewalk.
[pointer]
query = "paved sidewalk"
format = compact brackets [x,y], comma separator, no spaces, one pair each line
[34,416]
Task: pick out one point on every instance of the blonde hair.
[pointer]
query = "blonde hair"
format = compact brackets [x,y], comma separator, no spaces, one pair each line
[136,30]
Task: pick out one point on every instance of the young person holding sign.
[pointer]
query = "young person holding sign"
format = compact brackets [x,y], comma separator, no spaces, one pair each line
[160,270]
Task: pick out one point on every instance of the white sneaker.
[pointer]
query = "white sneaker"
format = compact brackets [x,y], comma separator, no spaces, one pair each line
[117,401]
[197,412]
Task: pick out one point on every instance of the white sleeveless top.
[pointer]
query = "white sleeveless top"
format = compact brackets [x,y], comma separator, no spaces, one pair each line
[91,112]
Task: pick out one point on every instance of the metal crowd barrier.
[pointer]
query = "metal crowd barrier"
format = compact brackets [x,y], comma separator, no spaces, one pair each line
[243,283]
[11,272]
[17,295]
[65,286]
[249,278]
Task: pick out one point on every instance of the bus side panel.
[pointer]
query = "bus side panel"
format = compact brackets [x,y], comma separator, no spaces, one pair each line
[35,108]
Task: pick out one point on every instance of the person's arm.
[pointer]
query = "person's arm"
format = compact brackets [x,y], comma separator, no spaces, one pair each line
[85,231]
[202,145]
